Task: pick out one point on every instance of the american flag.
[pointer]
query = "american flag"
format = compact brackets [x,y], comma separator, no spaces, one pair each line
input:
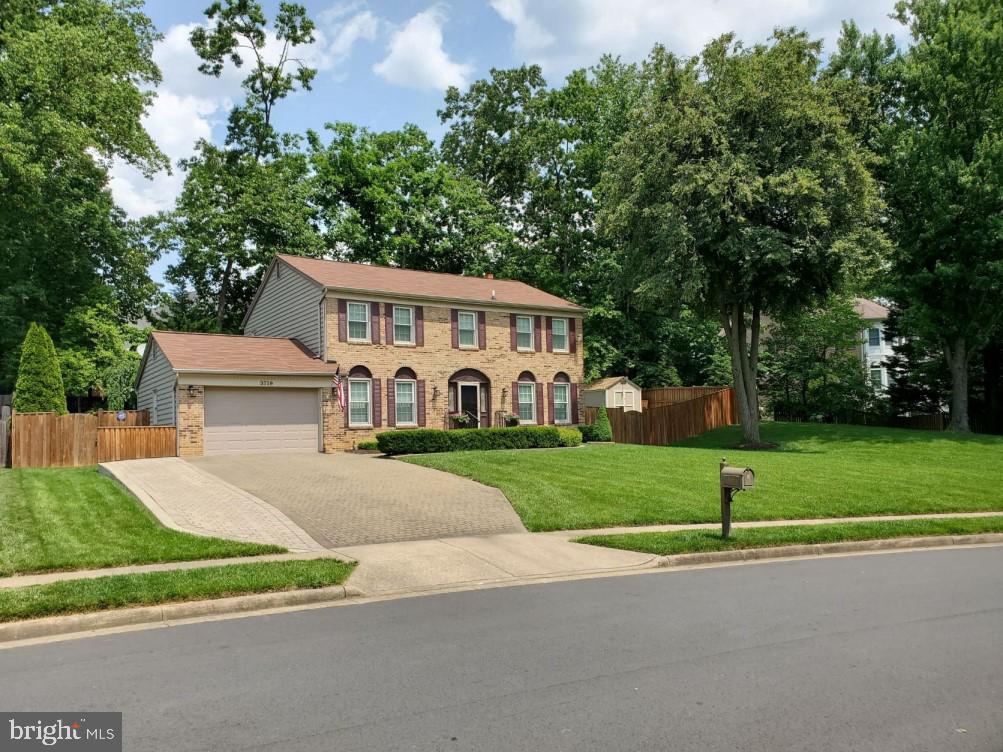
[339,384]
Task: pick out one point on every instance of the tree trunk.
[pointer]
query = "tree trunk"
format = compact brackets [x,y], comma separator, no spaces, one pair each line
[743,370]
[224,295]
[992,360]
[957,358]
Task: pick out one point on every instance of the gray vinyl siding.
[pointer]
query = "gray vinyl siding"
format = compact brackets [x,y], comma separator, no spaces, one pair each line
[157,388]
[288,306]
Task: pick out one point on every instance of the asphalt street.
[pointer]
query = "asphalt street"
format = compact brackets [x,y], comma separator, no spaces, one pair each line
[889,652]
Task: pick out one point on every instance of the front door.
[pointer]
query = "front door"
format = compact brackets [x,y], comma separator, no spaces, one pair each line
[470,403]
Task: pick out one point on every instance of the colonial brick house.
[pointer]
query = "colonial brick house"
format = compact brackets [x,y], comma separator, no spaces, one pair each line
[413,349]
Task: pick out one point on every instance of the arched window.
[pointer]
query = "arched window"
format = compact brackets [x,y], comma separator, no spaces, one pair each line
[526,398]
[560,399]
[361,399]
[405,395]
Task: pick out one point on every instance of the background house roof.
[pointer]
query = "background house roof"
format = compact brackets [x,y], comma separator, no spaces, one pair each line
[607,382]
[232,353]
[407,282]
[869,309]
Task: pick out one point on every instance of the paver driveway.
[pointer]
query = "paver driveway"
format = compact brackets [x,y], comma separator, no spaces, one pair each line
[349,499]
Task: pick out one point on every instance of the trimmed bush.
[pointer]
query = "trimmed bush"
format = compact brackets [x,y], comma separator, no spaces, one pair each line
[367,445]
[601,429]
[570,437]
[426,440]
[587,431]
[39,387]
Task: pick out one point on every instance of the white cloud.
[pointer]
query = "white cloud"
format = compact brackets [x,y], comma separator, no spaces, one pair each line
[564,34]
[415,56]
[191,105]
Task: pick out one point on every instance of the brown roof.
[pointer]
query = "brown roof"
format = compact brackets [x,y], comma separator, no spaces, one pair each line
[385,279]
[869,309]
[606,383]
[231,353]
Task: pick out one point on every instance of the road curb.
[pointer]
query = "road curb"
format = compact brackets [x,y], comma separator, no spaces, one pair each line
[145,615]
[823,549]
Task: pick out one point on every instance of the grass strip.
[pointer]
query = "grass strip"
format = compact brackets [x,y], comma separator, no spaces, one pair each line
[696,541]
[61,519]
[149,588]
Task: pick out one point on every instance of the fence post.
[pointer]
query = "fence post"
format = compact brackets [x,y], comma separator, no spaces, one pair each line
[5,435]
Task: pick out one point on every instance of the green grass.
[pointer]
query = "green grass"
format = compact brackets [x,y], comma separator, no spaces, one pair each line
[118,591]
[75,518]
[818,471]
[691,541]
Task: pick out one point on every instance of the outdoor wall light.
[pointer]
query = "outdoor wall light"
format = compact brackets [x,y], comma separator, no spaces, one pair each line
[193,391]
[435,393]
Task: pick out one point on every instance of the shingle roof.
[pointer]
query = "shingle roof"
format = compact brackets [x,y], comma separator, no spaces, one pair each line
[229,353]
[869,309]
[606,383]
[385,279]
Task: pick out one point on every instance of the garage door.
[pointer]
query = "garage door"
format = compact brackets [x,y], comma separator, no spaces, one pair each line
[260,420]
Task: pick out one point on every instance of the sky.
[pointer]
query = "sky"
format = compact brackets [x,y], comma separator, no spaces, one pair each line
[382,64]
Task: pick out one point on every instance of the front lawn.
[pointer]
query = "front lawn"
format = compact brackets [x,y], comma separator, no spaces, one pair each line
[149,588]
[818,471]
[691,541]
[75,518]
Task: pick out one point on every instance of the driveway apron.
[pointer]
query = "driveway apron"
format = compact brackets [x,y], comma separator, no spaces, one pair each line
[348,499]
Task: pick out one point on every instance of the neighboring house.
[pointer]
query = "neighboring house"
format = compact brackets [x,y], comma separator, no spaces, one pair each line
[413,349]
[875,347]
[614,391]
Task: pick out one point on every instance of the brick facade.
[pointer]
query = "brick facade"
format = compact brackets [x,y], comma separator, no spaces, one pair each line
[191,420]
[436,360]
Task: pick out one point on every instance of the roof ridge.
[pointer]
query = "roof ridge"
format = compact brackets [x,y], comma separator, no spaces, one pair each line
[405,269]
[221,334]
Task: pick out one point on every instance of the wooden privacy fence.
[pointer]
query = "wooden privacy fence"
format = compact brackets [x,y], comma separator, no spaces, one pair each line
[109,418]
[671,395]
[75,440]
[667,424]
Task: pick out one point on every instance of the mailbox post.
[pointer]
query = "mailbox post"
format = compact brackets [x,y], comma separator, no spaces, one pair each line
[733,480]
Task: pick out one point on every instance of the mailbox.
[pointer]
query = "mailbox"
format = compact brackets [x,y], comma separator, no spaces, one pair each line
[738,478]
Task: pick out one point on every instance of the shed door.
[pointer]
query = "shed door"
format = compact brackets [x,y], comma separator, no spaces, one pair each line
[260,420]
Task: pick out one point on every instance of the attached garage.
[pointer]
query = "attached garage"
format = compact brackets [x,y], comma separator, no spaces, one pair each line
[260,420]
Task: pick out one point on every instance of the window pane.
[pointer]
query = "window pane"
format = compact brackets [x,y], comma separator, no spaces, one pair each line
[358,321]
[876,377]
[404,407]
[527,402]
[561,402]
[358,402]
[874,337]
[560,334]
[467,325]
[524,332]
[403,319]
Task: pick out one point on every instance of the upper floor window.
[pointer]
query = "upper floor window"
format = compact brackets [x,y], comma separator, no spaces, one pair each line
[466,323]
[560,334]
[358,322]
[524,332]
[874,337]
[403,325]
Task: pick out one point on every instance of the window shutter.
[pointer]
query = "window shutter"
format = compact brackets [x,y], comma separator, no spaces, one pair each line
[391,404]
[511,330]
[374,323]
[377,412]
[550,334]
[419,326]
[343,324]
[454,328]
[515,397]
[539,403]
[421,402]
[537,344]
[482,329]
[572,336]
[388,317]
[574,404]
[550,402]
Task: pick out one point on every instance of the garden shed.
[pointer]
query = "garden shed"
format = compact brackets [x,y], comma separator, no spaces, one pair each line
[613,391]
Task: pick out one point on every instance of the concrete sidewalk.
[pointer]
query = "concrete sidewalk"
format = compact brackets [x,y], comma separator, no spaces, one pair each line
[416,566]
[188,499]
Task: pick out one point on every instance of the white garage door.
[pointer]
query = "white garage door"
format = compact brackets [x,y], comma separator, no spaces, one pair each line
[260,420]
